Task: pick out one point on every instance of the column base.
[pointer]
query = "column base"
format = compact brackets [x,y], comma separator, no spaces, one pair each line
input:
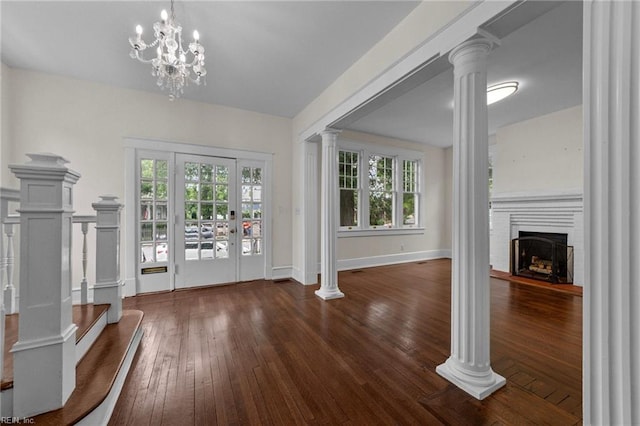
[329,294]
[478,388]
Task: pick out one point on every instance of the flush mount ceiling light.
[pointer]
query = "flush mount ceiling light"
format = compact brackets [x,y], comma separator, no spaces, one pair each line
[173,66]
[498,92]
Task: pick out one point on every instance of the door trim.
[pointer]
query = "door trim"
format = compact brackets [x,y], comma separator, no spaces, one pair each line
[131,148]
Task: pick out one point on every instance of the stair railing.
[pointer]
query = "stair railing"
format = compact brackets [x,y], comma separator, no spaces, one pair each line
[44,356]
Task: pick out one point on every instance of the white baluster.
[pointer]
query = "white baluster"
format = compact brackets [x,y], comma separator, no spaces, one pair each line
[9,290]
[84,287]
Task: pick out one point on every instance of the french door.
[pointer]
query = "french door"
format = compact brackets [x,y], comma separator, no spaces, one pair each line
[206,247]
[200,220]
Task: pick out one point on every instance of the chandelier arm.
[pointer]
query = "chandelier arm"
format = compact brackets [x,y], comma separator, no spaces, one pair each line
[144,60]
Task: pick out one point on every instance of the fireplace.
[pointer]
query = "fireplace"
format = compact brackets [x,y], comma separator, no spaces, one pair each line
[543,256]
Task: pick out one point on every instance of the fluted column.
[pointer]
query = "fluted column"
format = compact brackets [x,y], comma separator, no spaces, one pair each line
[108,286]
[329,217]
[44,358]
[469,365]
[611,347]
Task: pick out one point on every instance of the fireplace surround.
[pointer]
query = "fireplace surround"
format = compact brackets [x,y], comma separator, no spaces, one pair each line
[541,212]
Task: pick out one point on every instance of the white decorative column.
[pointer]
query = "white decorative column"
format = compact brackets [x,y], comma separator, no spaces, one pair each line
[108,287]
[310,234]
[611,319]
[44,358]
[329,217]
[469,366]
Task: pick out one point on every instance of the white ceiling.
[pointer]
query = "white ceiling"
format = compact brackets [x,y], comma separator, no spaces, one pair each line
[545,56]
[276,57]
[270,57]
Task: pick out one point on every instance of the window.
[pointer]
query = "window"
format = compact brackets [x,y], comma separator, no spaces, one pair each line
[349,189]
[251,211]
[153,211]
[409,192]
[379,190]
[206,211]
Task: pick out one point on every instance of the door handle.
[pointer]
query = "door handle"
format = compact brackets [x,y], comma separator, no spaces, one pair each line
[232,230]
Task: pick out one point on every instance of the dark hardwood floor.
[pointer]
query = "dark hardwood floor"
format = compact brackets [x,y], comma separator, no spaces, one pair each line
[273,353]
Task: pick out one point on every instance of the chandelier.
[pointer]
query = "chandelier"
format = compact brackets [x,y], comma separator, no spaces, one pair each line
[173,66]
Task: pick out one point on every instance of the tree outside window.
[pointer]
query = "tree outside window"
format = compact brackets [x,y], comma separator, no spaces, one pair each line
[409,192]
[349,187]
[380,191]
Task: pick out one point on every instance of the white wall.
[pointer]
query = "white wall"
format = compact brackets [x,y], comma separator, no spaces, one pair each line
[541,154]
[423,22]
[86,123]
[436,184]
[538,183]
[5,122]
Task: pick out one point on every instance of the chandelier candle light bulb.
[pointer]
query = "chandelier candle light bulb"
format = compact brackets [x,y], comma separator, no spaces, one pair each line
[171,65]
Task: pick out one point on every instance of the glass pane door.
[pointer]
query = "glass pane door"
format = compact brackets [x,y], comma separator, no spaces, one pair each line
[253,232]
[206,225]
[153,197]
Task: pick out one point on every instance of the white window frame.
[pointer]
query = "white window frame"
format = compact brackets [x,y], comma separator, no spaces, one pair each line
[398,155]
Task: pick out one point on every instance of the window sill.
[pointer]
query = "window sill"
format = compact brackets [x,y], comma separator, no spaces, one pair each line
[379,232]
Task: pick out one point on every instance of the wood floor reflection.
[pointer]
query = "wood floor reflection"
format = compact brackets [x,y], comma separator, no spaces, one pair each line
[268,352]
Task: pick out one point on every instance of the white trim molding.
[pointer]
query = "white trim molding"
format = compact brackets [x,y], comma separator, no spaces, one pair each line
[391,259]
[281,272]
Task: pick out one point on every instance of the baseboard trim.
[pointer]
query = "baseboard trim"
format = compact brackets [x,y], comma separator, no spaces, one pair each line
[281,272]
[391,259]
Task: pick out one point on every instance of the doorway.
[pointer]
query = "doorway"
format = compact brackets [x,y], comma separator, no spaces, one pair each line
[200,218]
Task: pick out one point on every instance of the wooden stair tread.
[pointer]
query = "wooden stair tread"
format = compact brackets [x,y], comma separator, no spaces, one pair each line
[97,371]
[84,316]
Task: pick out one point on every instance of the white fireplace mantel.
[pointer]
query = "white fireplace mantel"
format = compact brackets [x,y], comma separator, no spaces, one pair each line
[554,212]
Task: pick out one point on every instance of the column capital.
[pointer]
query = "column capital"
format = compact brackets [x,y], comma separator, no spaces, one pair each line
[470,51]
[329,132]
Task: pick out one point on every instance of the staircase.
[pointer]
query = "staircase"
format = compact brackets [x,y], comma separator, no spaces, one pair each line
[62,363]
[104,354]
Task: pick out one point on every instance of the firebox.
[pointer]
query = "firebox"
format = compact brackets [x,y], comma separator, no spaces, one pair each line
[543,256]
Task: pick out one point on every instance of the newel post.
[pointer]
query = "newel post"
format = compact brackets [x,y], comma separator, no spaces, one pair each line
[44,357]
[108,287]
